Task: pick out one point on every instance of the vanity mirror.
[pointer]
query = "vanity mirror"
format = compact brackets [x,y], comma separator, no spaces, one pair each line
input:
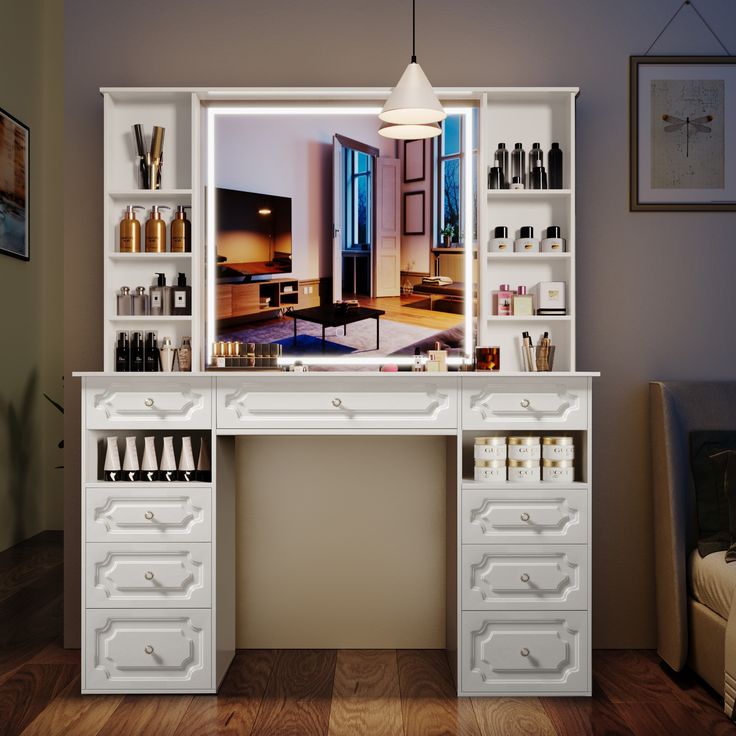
[307,248]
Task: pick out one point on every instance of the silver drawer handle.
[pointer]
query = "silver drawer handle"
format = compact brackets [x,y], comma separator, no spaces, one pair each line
[524,578]
[336,402]
[524,652]
[148,515]
[525,516]
[148,402]
[148,649]
[148,575]
[525,403]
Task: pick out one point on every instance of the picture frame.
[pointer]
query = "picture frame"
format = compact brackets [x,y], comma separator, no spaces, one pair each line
[413,213]
[682,150]
[14,187]
[413,161]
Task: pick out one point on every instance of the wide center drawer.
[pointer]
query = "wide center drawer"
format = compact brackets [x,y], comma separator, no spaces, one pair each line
[525,651]
[525,516]
[177,403]
[151,650]
[525,403]
[323,402]
[143,514]
[525,576]
[154,575]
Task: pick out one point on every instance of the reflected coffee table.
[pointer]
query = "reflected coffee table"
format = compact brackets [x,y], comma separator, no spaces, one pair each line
[328,316]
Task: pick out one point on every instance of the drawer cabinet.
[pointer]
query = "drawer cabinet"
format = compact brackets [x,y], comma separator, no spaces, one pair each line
[156,514]
[525,403]
[525,652]
[316,402]
[524,517]
[155,575]
[152,650]
[149,403]
[520,577]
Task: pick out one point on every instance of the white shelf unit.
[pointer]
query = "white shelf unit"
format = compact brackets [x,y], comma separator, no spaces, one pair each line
[527,116]
[177,111]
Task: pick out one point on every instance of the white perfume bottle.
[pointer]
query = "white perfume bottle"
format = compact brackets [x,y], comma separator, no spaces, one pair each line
[112,460]
[131,469]
[168,461]
[186,460]
[149,466]
[204,471]
[500,242]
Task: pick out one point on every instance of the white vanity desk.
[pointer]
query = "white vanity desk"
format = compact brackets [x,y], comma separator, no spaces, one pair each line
[158,598]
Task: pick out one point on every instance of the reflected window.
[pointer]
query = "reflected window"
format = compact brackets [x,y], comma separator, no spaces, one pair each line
[359,205]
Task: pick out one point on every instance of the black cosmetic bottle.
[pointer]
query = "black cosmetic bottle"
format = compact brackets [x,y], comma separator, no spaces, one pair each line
[136,353]
[122,353]
[150,359]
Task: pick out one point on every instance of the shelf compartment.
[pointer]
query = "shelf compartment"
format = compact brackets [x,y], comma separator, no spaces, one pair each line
[533,318]
[149,194]
[149,256]
[468,484]
[528,193]
[521,257]
[152,318]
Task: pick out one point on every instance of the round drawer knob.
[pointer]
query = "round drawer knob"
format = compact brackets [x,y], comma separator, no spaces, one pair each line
[148,402]
[524,652]
[336,402]
[525,516]
[148,649]
[148,515]
[148,575]
[524,578]
[525,403]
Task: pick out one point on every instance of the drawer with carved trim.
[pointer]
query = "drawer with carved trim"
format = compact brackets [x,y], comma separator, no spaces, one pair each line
[146,513]
[159,403]
[148,576]
[524,516]
[159,650]
[525,403]
[516,576]
[525,652]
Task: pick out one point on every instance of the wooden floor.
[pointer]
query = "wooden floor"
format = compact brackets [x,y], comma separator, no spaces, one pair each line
[402,693]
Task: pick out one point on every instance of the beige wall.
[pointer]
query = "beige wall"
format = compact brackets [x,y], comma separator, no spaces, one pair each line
[655,291]
[31,86]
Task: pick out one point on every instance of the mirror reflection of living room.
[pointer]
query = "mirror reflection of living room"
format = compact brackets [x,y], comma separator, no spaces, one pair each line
[331,239]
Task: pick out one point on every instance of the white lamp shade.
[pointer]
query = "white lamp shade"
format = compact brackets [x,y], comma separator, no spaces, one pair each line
[411,132]
[412,100]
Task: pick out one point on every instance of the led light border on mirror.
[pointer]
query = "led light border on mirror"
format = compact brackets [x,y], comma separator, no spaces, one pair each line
[247,108]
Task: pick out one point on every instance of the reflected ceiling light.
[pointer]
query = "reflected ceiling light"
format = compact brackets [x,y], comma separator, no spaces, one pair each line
[411,132]
[412,101]
[264,211]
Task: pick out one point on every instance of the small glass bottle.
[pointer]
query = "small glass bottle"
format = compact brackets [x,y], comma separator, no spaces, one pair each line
[501,159]
[125,306]
[185,354]
[503,301]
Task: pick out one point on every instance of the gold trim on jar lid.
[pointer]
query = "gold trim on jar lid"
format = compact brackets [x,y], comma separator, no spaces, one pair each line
[490,463]
[557,441]
[495,441]
[523,463]
[558,463]
[523,440]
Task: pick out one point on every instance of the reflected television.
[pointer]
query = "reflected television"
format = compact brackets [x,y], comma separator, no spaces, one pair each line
[253,235]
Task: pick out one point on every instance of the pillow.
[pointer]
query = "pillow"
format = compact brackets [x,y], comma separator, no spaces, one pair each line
[713,464]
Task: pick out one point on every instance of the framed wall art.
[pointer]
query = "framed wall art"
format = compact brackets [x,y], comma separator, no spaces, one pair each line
[682,136]
[413,213]
[14,191]
[413,161]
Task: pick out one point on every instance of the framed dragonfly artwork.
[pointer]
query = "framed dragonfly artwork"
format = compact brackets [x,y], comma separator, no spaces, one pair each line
[682,133]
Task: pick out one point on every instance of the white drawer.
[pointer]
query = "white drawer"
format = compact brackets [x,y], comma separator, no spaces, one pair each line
[148,403]
[148,576]
[142,514]
[150,650]
[525,652]
[525,576]
[513,517]
[310,401]
[525,403]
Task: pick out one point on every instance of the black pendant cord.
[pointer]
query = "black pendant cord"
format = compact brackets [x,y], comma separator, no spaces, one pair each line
[700,15]
[413,31]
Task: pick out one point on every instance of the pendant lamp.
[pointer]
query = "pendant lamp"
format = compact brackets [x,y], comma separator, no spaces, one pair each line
[412,110]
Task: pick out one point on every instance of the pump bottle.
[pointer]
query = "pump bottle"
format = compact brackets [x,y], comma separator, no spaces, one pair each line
[181,231]
[130,231]
[156,230]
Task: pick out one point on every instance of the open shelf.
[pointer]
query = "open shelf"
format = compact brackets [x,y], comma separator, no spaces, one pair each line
[148,194]
[520,257]
[153,318]
[468,484]
[532,318]
[148,256]
[528,193]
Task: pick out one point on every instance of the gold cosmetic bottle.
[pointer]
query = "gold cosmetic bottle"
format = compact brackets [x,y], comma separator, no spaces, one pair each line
[181,231]
[130,231]
[156,230]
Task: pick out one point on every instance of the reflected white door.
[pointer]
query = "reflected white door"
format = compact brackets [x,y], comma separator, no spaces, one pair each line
[338,215]
[387,250]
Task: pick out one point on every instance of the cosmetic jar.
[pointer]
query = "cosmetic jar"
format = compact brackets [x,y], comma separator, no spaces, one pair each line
[523,471]
[558,448]
[490,448]
[524,448]
[490,470]
[558,471]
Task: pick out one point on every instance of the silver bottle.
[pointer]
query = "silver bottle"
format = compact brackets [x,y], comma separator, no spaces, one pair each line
[140,301]
[125,306]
